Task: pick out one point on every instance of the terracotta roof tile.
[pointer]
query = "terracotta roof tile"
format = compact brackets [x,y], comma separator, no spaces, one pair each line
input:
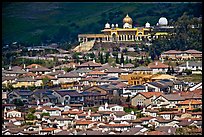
[157,64]
[193,102]
[96,73]
[33,66]
[150,94]
[48,129]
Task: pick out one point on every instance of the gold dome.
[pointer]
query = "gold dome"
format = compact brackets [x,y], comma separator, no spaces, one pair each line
[127,19]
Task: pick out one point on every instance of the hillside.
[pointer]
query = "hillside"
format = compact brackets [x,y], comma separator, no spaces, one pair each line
[37,22]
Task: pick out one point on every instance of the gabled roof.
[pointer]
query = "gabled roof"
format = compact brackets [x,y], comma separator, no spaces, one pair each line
[96,73]
[173,97]
[172,52]
[71,93]
[69,75]
[137,87]
[129,65]
[192,102]
[45,76]
[193,51]
[39,69]
[24,92]
[142,68]
[150,94]
[157,64]
[114,70]
[26,79]
[90,64]
[33,66]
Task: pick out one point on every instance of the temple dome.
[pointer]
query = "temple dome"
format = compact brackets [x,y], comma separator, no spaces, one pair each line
[147,25]
[127,19]
[163,21]
[107,25]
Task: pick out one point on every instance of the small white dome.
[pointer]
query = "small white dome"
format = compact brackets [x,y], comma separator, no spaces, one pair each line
[163,21]
[107,25]
[147,25]
[112,25]
[116,25]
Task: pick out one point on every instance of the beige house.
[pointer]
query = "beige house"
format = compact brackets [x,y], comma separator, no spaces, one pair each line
[144,98]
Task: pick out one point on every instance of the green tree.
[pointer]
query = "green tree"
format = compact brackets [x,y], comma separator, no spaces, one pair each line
[18,102]
[122,59]
[107,57]
[45,114]
[45,81]
[117,60]
[126,60]
[30,116]
[101,58]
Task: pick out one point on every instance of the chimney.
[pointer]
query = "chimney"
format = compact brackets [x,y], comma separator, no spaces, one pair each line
[146,88]
[122,65]
[169,131]
[187,64]
[9,67]
[156,63]
[94,61]
[54,70]
[36,66]
[74,66]
[24,66]
[184,110]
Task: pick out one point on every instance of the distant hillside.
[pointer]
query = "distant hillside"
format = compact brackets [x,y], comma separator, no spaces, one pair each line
[36,22]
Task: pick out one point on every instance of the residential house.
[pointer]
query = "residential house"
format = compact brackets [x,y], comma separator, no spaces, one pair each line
[167,114]
[24,95]
[43,96]
[68,96]
[144,98]
[166,101]
[51,80]
[96,74]
[196,67]
[122,115]
[142,70]
[158,67]
[110,107]
[8,80]
[133,90]
[127,67]
[89,65]
[24,82]
[68,79]
[39,70]
[115,72]
[189,105]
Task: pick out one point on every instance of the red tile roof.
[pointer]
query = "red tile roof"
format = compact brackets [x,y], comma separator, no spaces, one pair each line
[48,129]
[33,66]
[192,102]
[83,122]
[157,64]
[150,94]
[157,133]
[172,52]
[96,73]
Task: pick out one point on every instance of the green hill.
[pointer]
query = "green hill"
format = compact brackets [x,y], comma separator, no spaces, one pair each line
[37,22]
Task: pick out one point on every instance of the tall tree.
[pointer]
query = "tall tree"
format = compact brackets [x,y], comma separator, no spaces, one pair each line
[122,59]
